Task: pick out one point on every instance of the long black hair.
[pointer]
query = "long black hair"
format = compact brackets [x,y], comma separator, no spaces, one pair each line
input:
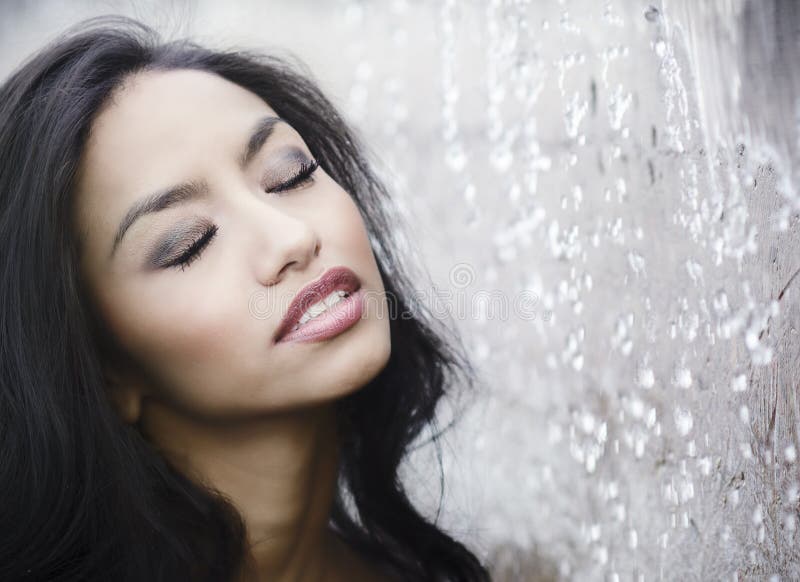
[83,496]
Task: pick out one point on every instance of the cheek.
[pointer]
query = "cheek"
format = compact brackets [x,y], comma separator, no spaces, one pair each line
[174,318]
[347,228]
[188,340]
[352,235]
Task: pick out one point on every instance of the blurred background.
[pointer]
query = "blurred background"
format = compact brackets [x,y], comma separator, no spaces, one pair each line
[603,197]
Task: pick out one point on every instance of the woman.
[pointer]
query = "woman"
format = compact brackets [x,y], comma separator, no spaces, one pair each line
[175,401]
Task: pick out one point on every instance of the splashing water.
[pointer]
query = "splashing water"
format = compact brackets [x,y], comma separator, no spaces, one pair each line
[624,176]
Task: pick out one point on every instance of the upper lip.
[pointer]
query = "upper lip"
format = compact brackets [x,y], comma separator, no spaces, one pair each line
[331,280]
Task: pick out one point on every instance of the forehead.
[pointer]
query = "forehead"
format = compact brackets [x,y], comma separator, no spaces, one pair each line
[159,128]
[170,110]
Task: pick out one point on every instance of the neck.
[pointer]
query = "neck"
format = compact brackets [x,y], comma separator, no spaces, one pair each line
[280,473]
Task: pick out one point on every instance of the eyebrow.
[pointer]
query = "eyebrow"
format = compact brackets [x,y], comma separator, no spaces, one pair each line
[193,189]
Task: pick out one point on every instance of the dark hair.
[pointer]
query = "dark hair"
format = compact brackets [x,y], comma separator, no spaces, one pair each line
[83,496]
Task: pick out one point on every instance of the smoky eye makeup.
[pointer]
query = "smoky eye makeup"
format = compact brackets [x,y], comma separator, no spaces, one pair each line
[284,166]
[176,242]
[287,169]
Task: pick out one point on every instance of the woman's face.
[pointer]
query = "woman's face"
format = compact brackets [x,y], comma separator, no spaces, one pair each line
[199,335]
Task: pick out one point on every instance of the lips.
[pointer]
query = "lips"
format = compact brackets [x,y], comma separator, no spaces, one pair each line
[337,278]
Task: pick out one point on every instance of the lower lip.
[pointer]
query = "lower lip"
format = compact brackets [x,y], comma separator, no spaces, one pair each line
[331,323]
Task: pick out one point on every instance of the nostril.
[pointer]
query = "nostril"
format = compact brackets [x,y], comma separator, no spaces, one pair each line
[286,266]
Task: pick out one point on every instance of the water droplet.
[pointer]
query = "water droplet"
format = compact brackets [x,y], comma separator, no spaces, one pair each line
[660,47]
[744,414]
[618,104]
[651,418]
[683,420]
[739,383]
[695,271]
[758,515]
[601,554]
[455,158]
[720,303]
[501,158]
[637,263]
[626,348]
[645,377]
[451,94]
[575,112]
[469,192]
[636,408]
[682,376]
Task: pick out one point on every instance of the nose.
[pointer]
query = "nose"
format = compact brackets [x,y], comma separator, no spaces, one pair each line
[287,242]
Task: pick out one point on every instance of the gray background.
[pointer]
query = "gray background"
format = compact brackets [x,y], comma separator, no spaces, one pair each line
[621,177]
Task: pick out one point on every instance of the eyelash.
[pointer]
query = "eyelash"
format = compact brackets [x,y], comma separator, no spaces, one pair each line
[303,175]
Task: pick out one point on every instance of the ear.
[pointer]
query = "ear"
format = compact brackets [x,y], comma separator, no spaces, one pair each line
[125,394]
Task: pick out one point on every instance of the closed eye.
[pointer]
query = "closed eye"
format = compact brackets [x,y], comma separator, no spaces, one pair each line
[195,248]
[303,175]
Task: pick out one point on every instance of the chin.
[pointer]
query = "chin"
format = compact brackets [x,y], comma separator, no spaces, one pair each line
[373,353]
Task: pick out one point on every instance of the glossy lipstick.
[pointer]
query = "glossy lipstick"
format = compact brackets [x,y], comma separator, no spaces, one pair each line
[334,320]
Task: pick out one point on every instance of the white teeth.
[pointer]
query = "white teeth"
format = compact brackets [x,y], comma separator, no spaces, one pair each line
[316,309]
[333,299]
[321,306]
